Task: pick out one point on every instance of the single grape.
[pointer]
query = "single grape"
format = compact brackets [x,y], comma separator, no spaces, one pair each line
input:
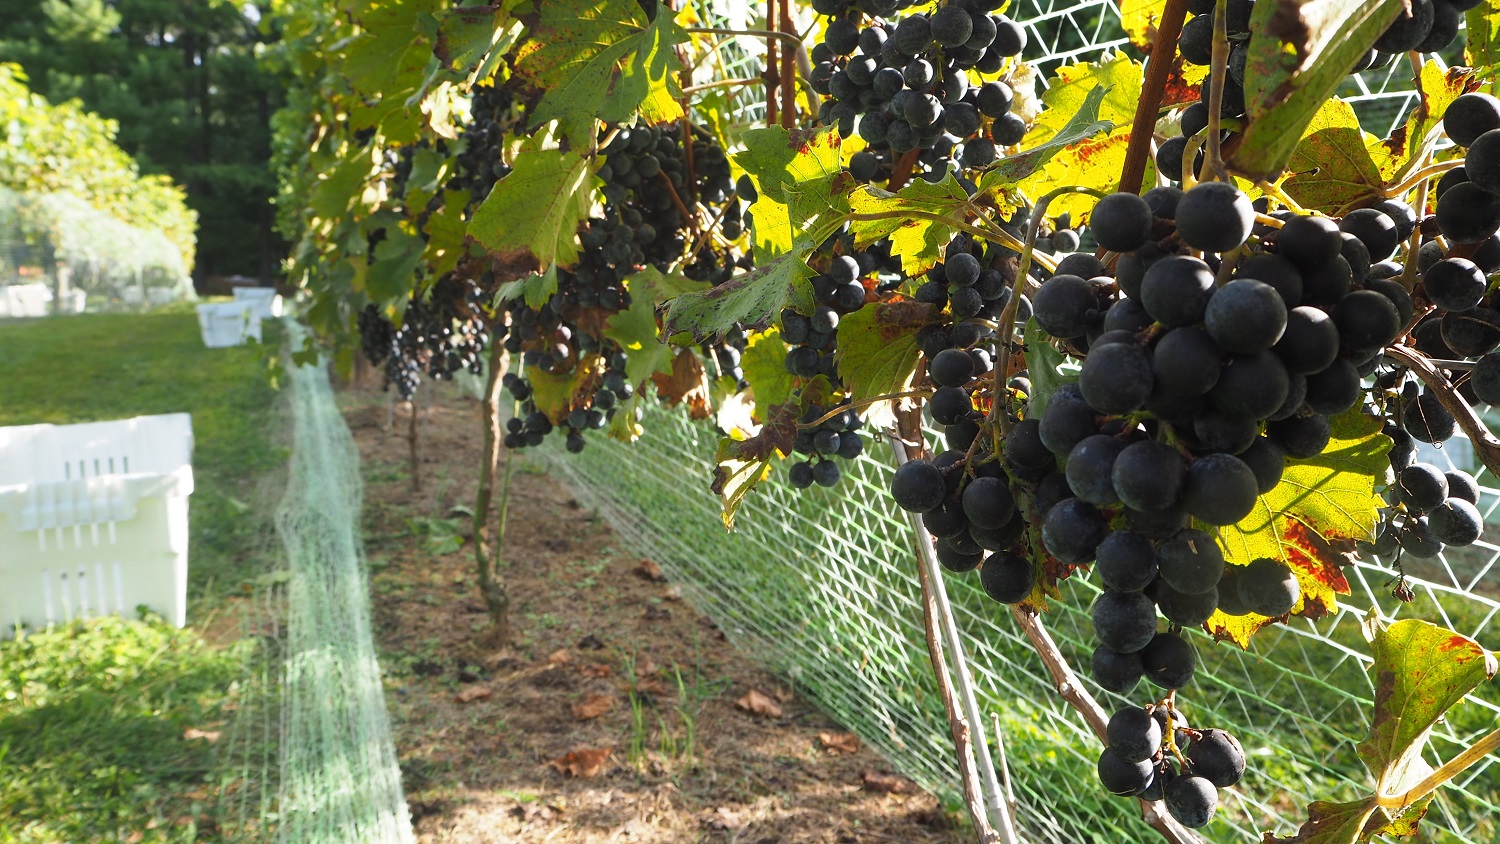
[1190,562]
[1116,378]
[1422,486]
[826,473]
[951,368]
[1309,242]
[1122,777]
[1187,360]
[1462,485]
[958,559]
[1220,489]
[1250,386]
[1148,476]
[1375,230]
[1089,469]
[1468,213]
[1301,437]
[1133,734]
[988,503]
[1217,757]
[918,486]
[1335,389]
[1073,530]
[1121,222]
[1470,116]
[1425,418]
[1191,800]
[1214,217]
[1454,284]
[1269,588]
[1418,539]
[1126,561]
[1180,608]
[1176,289]
[1007,578]
[1483,161]
[1456,522]
[1275,271]
[951,26]
[1063,305]
[1116,672]
[1124,621]
[1169,661]
[1266,459]
[1245,316]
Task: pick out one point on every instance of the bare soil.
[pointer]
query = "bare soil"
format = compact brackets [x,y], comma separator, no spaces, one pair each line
[608,664]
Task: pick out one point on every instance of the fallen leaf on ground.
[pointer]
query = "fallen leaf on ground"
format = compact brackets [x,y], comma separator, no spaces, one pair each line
[645,666]
[655,613]
[583,762]
[757,702]
[595,670]
[650,571]
[590,643]
[194,733]
[673,593]
[839,742]
[533,812]
[469,694]
[650,686]
[559,657]
[724,818]
[592,706]
[884,783]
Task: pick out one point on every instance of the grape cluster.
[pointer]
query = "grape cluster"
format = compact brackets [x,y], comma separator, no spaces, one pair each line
[478,162]
[442,332]
[1468,207]
[1142,760]
[836,436]
[906,82]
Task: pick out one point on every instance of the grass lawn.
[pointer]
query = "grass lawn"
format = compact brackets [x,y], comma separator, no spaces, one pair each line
[93,716]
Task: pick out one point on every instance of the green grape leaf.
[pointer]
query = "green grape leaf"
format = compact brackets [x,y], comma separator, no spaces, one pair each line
[333,196]
[877,347]
[1335,161]
[1310,522]
[1083,125]
[393,273]
[1438,89]
[536,288]
[764,365]
[1482,48]
[1421,671]
[387,64]
[601,60]
[751,300]
[741,464]
[556,393]
[879,214]
[530,219]
[1140,19]
[1044,367]
[1299,53]
[445,234]
[467,35]
[804,200]
[635,328]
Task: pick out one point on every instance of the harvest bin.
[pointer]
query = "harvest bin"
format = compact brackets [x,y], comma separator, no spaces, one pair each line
[229,323]
[94,520]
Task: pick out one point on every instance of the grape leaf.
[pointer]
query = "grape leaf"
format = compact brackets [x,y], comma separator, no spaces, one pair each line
[1140,19]
[877,347]
[764,365]
[1335,161]
[635,328]
[601,60]
[445,234]
[1482,30]
[880,214]
[393,273]
[468,34]
[1299,53]
[387,63]
[1084,124]
[1421,671]
[531,217]
[803,200]
[1069,89]
[685,382]
[1310,521]
[1095,163]
[1183,83]
[556,393]
[741,464]
[537,288]
[1043,362]
[1438,89]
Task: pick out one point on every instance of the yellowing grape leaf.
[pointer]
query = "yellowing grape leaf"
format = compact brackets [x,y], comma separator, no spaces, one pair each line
[877,347]
[1311,521]
[1095,163]
[880,214]
[1083,125]
[530,219]
[556,393]
[741,464]
[386,64]
[1438,88]
[601,60]
[1421,671]
[1069,89]
[1482,48]
[1299,53]
[764,365]
[803,200]
[1335,162]
[1140,19]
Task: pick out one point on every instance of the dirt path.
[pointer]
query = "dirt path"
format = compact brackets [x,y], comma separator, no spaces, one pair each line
[701,745]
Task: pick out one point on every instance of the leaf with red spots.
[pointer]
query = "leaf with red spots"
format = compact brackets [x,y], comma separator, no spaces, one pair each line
[1311,521]
[1439,88]
[919,240]
[1183,82]
[1140,18]
[877,347]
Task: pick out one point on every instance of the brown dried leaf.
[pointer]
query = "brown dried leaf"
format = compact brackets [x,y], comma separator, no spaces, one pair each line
[649,570]
[724,818]
[469,694]
[582,762]
[593,706]
[687,383]
[759,703]
[595,670]
[884,783]
[645,666]
[559,657]
[839,742]
[194,733]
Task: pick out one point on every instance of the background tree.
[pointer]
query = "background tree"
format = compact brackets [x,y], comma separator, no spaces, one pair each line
[182,80]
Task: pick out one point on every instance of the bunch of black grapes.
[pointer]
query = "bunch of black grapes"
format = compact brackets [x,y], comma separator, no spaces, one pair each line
[906,82]
[1140,761]
[478,162]
[443,331]
[837,436]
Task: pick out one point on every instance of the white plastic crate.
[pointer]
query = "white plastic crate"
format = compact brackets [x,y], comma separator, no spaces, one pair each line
[228,323]
[25,300]
[94,519]
[265,299]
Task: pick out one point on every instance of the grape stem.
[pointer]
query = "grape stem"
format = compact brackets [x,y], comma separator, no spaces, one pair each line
[1286,200]
[1219,69]
[722,83]
[492,588]
[855,405]
[1450,769]
[1147,109]
[789,38]
[1076,696]
[1422,174]
[1485,443]
[983,796]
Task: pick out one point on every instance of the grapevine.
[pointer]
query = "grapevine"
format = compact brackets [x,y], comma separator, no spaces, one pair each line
[1195,374]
